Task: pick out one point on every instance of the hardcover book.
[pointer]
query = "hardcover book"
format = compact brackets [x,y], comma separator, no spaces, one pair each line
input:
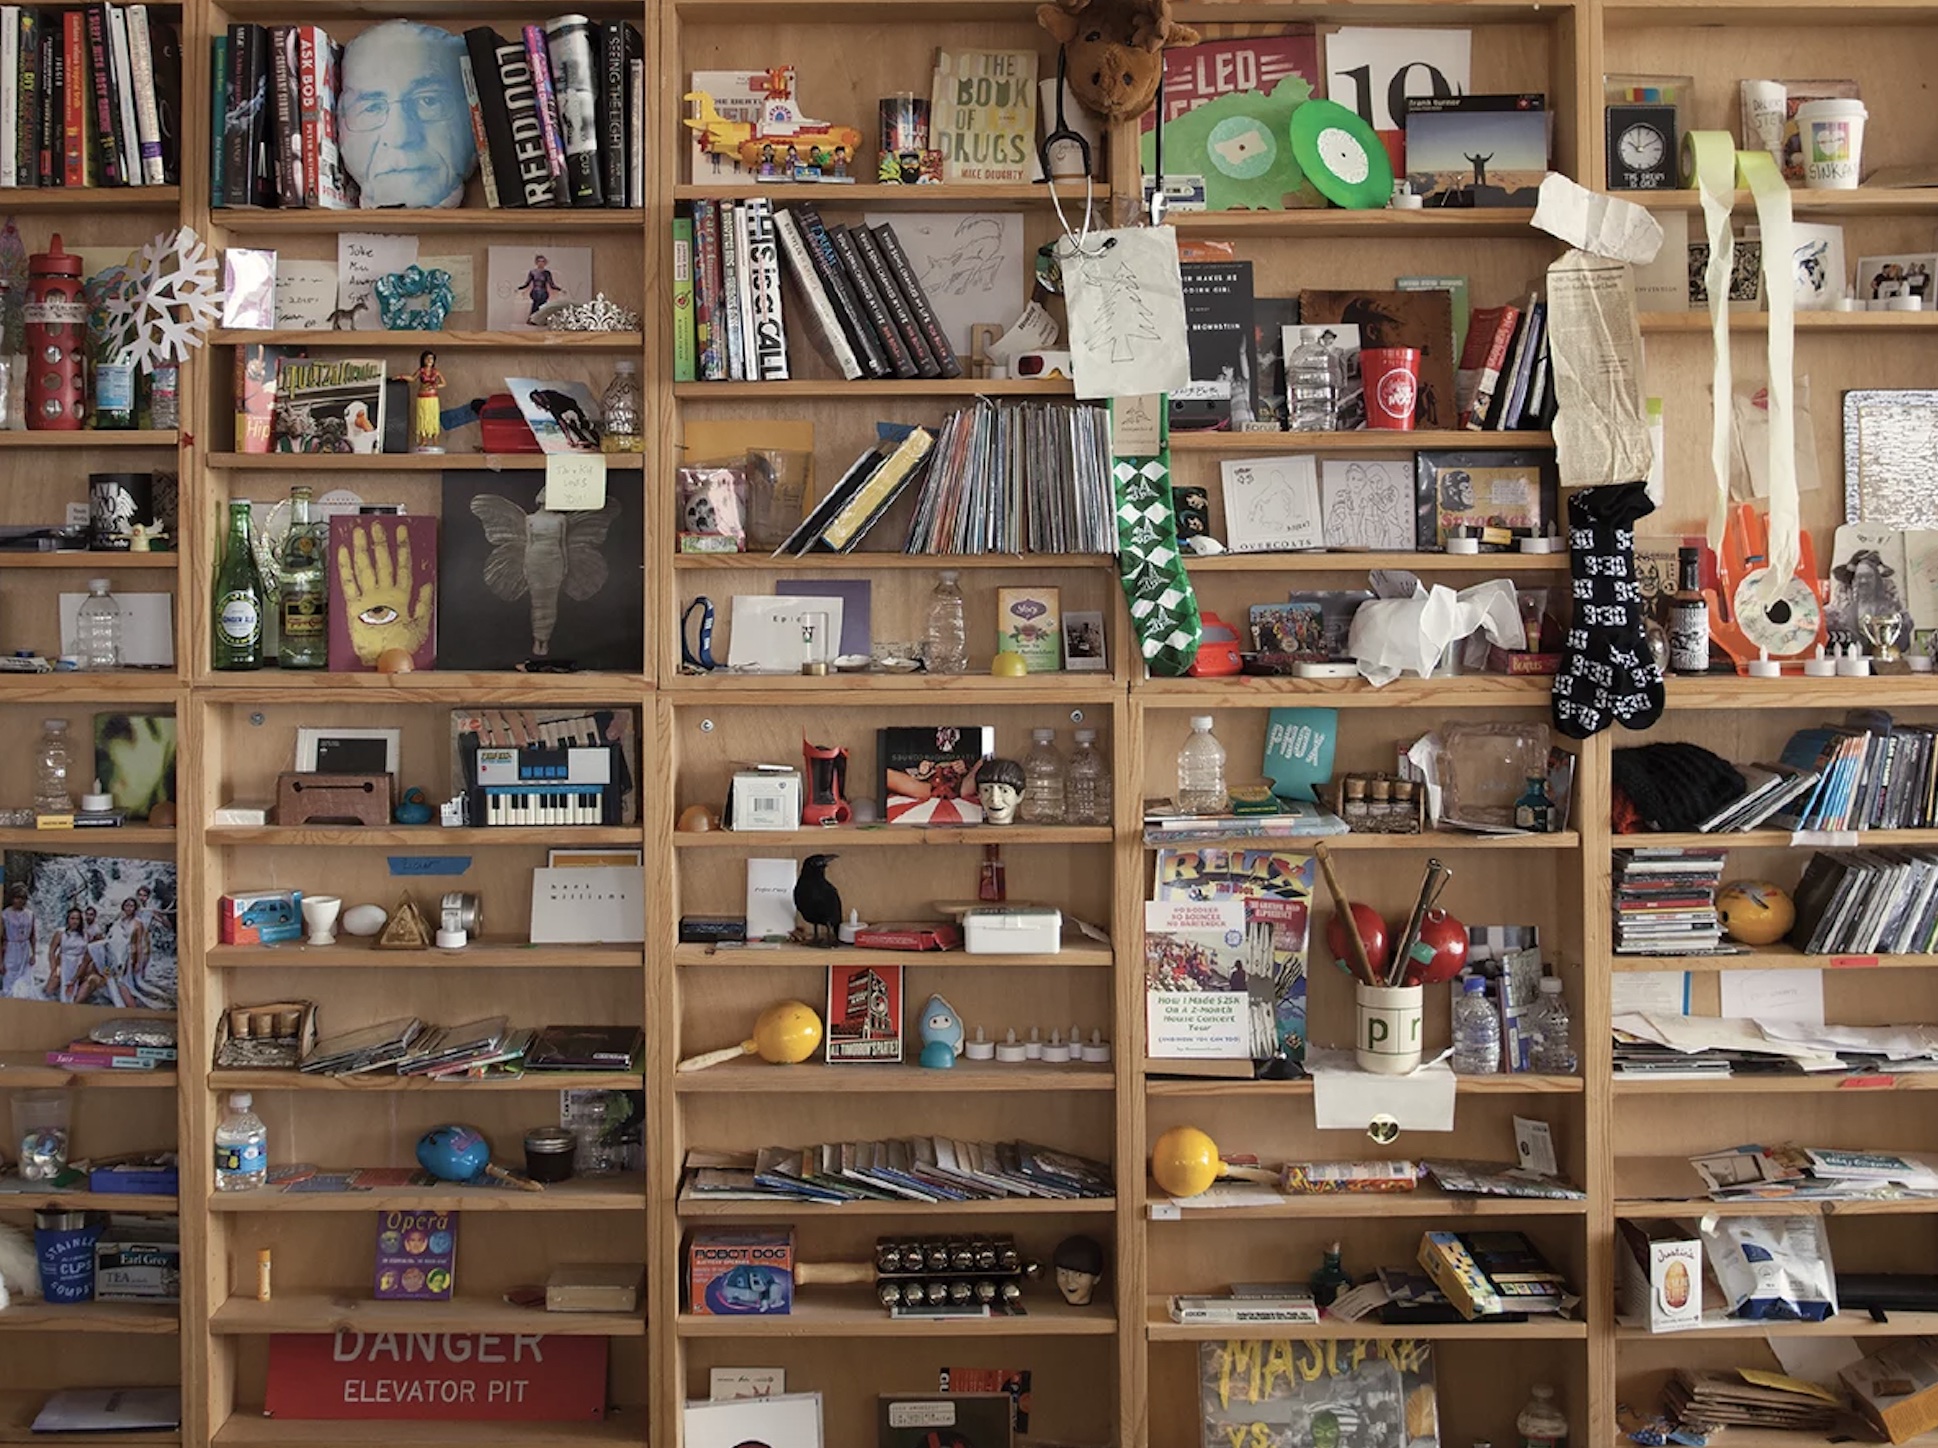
[864,1013]
[334,406]
[928,774]
[1228,107]
[1396,318]
[1197,1001]
[1222,392]
[134,758]
[983,116]
[256,368]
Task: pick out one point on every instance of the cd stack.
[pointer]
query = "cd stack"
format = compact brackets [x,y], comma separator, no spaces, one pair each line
[1665,901]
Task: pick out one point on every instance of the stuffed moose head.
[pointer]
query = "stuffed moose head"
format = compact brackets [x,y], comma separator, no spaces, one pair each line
[1114,50]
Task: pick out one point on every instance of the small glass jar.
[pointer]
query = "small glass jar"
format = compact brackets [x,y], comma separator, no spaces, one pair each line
[1379,806]
[1406,807]
[548,1153]
[1353,808]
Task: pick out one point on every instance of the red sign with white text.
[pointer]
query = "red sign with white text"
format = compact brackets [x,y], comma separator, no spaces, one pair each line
[449,1375]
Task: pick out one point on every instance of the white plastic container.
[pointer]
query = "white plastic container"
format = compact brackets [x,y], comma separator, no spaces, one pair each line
[1000,930]
[1832,132]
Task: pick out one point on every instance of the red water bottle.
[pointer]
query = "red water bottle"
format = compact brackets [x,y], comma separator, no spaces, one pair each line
[56,314]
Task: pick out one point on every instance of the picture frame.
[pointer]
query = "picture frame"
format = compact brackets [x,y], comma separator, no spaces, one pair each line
[1085,645]
[1516,489]
[1890,436]
[1898,274]
[326,749]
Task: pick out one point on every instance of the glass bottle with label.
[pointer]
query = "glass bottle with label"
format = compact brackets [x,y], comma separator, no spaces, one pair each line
[1688,617]
[237,641]
[302,595]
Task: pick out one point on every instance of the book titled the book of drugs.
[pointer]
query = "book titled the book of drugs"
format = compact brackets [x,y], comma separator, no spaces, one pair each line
[983,116]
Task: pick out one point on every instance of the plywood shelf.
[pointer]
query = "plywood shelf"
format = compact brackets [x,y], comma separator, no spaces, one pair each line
[1423,840]
[160,1319]
[93,562]
[1158,1327]
[29,440]
[1777,1085]
[243,462]
[1869,323]
[72,689]
[96,840]
[925,562]
[424,837]
[379,1082]
[839,1312]
[870,391]
[88,200]
[1844,1324]
[538,339]
[767,1211]
[1075,955]
[1773,957]
[1424,1202]
[621,1428]
[625,1192]
[1667,1186]
[1865,201]
[503,688]
[876,196]
[1794,691]
[350,953]
[293,221]
[1464,691]
[1507,1084]
[1491,564]
[973,688]
[845,837]
[20,1406]
[1435,223]
[1372,440]
[21,1070]
[85,1201]
[332,1312]
[861,1079]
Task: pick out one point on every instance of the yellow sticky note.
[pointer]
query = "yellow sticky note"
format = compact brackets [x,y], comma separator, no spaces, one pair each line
[575,482]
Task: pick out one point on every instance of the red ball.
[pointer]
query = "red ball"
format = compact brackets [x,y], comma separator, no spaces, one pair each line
[1372,934]
[1446,937]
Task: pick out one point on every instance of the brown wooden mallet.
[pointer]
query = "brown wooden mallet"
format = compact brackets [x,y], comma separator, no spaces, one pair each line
[1362,967]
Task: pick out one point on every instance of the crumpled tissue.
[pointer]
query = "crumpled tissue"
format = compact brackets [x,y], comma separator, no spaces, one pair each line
[1391,636]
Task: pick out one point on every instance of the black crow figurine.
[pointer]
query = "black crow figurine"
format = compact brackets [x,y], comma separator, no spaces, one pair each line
[818,902]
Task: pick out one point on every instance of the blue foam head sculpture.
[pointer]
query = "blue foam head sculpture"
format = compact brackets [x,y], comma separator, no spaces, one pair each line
[403,123]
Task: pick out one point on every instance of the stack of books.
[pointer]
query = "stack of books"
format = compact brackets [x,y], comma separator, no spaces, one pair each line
[1665,901]
[1166,824]
[1868,902]
[89,1055]
[90,96]
[914,1169]
[1504,382]
[1249,1304]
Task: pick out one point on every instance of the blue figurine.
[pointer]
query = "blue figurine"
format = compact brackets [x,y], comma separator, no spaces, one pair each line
[941,1034]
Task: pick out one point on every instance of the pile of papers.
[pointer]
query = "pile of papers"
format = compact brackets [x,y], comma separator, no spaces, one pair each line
[912,1169]
[1694,1047]
[1665,901]
[1166,824]
[1748,1398]
[488,1049]
[1814,1173]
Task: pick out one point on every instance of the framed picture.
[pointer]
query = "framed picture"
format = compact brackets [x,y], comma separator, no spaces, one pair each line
[1083,642]
[349,751]
[1907,274]
[1515,490]
[1890,437]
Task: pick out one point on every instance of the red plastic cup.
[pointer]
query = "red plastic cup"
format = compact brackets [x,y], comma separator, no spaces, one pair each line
[1392,380]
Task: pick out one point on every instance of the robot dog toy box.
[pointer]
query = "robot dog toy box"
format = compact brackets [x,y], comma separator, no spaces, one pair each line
[740,1272]
[261,917]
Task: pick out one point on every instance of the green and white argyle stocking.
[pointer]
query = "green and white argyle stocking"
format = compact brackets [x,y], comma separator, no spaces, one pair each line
[1163,607]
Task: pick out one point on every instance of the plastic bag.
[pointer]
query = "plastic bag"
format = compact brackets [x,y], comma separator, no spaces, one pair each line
[1773,1268]
[713,508]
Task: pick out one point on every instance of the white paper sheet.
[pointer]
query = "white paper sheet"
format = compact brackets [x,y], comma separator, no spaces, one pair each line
[1345,1098]
[1363,62]
[1126,308]
[1606,226]
[973,264]
[1367,503]
[1776,995]
[1815,1359]
[767,631]
[1271,504]
[306,294]
[361,258]
[1601,434]
[1649,992]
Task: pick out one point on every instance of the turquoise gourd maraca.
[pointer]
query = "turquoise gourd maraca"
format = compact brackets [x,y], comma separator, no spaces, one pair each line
[454,1153]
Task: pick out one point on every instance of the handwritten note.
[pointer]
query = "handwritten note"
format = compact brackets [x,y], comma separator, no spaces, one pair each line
[305,294]
[971,263]
[1126,301]
[575,482]
[361,258]
[1776,995]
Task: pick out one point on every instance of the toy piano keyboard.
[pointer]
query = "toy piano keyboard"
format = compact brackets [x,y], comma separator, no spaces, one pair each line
[570,777]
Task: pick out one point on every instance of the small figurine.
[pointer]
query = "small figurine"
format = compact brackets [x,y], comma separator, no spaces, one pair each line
[941,1032]
[1079,1263]
[999,785]
[818,902]
[426,427]
[780,124]
[838,164]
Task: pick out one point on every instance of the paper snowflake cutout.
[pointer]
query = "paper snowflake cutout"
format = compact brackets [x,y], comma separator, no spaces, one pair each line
[176,301]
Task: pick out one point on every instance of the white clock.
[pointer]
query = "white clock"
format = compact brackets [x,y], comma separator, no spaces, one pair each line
[1641,148]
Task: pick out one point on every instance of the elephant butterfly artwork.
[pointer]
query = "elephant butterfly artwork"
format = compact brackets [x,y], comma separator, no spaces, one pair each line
[383,590]
[523,584]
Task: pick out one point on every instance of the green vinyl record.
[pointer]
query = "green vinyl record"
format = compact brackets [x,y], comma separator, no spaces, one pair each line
[1341,156]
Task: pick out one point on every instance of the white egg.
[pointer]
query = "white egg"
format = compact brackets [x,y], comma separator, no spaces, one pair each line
[364,919]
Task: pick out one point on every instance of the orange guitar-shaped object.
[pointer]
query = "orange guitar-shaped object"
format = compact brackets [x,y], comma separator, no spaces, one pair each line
[1789,627]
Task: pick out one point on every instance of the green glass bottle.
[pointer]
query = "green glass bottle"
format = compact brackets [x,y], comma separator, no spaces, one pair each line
[303,596]
[238,599]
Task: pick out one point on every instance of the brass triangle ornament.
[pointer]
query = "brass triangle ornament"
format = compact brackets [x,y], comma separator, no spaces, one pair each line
[405,930]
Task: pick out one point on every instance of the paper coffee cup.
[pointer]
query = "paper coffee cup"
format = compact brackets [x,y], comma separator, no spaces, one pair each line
[1832,134]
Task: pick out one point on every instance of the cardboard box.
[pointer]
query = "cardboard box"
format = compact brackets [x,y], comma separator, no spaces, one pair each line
[138,1263]
[1446,1260]
[764,799]
[593,1287]
[1658,1280]
[973,1420]
[740,1272]
[1012,930]
[260,917]
[1896,1387]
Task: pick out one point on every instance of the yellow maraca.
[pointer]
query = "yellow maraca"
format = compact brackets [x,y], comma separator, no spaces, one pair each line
[787,1033]
[1185,1162]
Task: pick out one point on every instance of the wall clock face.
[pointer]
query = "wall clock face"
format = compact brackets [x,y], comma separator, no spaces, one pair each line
[1641,147]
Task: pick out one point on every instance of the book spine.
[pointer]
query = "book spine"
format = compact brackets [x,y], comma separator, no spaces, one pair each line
[545,100]
[105,114]
[826,322]
[531,163]
[683,331]
[744,272]
[486,171]
[74,1061]
[734,344]
[575,92]
[284,69]
[841,292]
[27,108]
[897,302]
[335,191]
[236,121]
[709,361]
[124,85]
[53,92]
[873,308]
[141,52]
[918,300]
[74,99]
[613,114]
[165,41]
[491,120]
[10,76]
[311,44]
[1488,382]
[635,120]
[764,292]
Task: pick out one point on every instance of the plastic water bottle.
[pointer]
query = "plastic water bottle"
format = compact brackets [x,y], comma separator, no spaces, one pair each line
[1201,771]
[52,767]
[241,1147]
[1086,788]
[1312,387]
[97,629]
[1553,1046]
[1043,799]
[1476,1031]
[946,645]
[1542,1424]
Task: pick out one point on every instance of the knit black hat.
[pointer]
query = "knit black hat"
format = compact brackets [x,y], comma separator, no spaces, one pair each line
[1676,787]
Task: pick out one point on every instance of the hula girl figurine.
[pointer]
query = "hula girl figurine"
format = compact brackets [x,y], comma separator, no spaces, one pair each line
[425,429]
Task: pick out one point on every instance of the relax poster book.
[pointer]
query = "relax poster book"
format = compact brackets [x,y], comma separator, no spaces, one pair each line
[1196,995]
[1340,1393]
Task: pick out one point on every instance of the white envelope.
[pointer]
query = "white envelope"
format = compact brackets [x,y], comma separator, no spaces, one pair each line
[767,632]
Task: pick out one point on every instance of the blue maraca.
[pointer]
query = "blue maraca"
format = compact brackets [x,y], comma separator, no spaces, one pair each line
[455,1153]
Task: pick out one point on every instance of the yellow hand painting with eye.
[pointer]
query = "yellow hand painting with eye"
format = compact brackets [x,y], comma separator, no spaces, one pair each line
[379,609]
